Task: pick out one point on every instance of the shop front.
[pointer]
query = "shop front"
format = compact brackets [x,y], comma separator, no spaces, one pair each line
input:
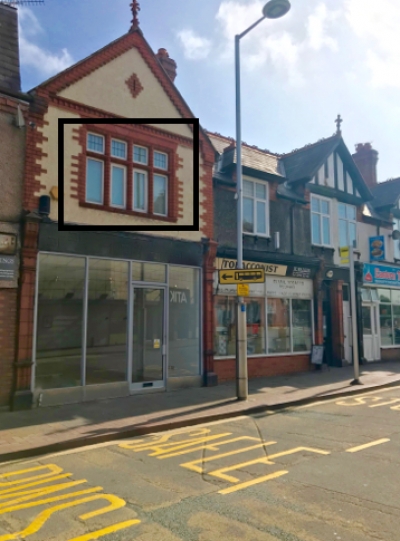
[381,312]
[107,327]
[280,329]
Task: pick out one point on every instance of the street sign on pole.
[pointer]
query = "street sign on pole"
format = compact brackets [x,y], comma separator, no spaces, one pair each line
[241,276]
[344,255]
[243,290]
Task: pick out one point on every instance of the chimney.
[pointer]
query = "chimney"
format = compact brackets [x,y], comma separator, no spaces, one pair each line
[10,78]
[366,159]
[167,63]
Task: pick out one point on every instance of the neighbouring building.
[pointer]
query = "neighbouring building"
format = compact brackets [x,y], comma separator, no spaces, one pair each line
[106,313]
[298,209]
[380,256]
[13,108]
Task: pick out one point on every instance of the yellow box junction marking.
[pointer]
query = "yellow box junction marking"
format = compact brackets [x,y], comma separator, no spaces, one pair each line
[17,497]
[367,445]
[162,448]
[363,400]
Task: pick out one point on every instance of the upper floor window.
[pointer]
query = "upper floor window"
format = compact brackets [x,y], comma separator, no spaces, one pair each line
[347,225]
[140,154]
[95,143]
[320,221]
[160,160]
[126,176]
[255,208]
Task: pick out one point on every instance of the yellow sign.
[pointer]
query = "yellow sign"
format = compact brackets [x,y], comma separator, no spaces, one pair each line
[241,276]
[243,290]
[344,255]
[156,343]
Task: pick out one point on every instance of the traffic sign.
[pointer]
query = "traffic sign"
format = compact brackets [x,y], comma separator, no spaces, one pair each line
[241,276]
[243,290]
[344,255]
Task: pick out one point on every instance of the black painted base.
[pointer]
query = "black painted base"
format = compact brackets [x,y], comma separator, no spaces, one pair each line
[210,379]
[22,400]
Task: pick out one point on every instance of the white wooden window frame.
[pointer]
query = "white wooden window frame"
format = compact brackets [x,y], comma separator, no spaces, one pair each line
[147,154]
[255,199]
[126,149]
[95,135]
[347,220]
[321,214]
[102,181]
[146,191]
[166,160]
[111,184]
[166,195]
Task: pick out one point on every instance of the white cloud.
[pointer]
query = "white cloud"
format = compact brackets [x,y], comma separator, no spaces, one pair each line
[317,28]
[376,24]
[45,62]
[194,47]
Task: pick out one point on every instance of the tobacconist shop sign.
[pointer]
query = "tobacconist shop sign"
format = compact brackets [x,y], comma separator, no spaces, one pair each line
[381,275]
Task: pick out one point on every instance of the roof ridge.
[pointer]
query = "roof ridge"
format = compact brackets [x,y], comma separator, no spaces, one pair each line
[392,179]
[244,144]
[309,145]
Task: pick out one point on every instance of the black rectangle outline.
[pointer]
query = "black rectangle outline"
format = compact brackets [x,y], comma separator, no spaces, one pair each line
[196,174]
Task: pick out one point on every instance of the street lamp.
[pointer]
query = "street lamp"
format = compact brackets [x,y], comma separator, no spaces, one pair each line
[272,10]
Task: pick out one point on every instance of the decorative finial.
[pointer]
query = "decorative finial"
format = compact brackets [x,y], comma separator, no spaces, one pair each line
[135,10]
[338,122]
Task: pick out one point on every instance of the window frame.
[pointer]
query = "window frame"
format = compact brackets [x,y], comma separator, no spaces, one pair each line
[347,220]
[255,199]
[102,181]
[118,141]
[320,214]
[166,195]
[111,185]
[146,191]
[102,153]
[166,160]
[133,154]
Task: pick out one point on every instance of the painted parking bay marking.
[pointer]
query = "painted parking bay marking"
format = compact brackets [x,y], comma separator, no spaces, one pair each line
[370,401]
[367,445]
[14,497]
[162,448]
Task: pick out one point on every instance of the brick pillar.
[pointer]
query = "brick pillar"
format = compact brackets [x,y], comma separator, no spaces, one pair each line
[318,299]
[22,396]
[8,323]
[336,302]
[209,251]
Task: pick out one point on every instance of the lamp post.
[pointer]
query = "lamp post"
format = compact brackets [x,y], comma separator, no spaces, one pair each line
[272,10]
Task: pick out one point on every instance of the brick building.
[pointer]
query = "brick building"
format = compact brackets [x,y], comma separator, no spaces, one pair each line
[117,299]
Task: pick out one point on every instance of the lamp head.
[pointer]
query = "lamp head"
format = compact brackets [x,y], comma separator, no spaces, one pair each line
[276,8]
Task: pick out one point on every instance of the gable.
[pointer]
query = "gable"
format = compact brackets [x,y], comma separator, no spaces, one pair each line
[107,88]
[335,174]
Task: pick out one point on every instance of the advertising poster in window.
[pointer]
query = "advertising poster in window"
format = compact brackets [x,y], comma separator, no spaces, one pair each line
[377,248]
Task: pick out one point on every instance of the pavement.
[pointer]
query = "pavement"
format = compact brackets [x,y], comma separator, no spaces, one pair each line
[57,428]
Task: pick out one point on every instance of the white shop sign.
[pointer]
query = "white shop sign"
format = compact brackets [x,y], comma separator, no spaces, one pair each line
[269,268]
[290,288]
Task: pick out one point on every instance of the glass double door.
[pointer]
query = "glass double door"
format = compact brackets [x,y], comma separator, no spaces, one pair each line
[148,337]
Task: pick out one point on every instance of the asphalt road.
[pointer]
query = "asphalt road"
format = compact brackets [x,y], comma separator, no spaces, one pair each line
[321,472]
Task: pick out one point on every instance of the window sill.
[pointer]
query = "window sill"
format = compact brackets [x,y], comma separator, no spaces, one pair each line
[126,212]
[258,355]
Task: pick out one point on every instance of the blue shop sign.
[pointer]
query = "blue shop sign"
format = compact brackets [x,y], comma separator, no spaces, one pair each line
[377,248]
[380,275]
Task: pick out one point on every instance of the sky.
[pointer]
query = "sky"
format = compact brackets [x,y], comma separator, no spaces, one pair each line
[324,58]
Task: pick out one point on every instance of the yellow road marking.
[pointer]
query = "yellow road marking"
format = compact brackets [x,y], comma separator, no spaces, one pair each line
[10,491]
[40,520]
[366,445]
[137,445]
[392,401]
[240,486]
[105,531]
[48,500]
[191,465]
[263,460]
[37,492]
[54,469]
[214,447]
[357,400]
